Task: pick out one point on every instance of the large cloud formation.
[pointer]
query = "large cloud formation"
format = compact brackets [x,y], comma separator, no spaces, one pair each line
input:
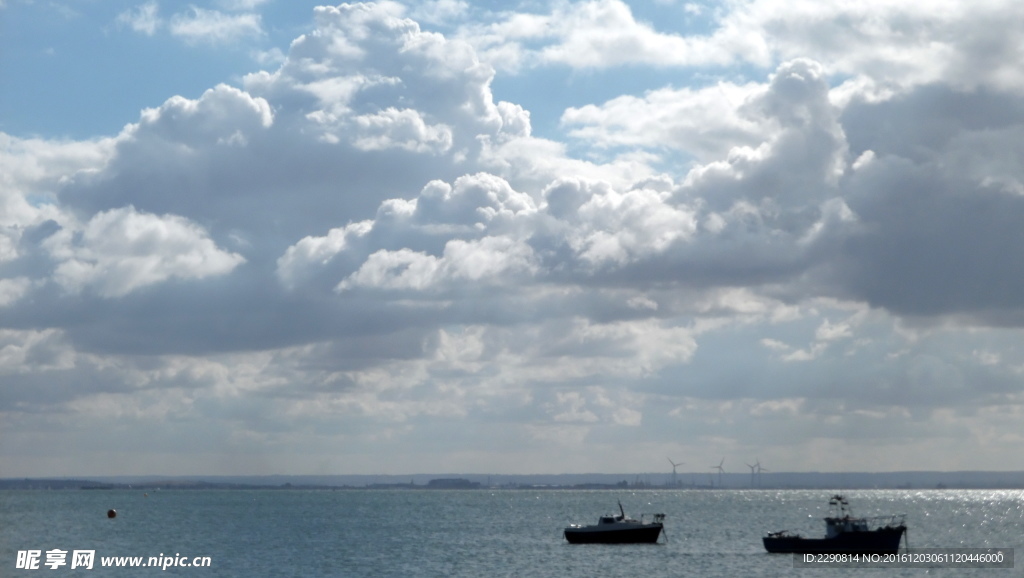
[363,254]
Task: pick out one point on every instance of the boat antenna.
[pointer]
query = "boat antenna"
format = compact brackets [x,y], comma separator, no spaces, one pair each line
[840,503]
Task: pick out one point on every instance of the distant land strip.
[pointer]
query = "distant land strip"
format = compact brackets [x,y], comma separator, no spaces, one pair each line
[644,481]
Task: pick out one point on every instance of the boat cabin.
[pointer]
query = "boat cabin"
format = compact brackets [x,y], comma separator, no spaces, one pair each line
[836,526]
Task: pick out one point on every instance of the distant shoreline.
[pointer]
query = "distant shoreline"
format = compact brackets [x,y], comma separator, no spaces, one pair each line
[975,480]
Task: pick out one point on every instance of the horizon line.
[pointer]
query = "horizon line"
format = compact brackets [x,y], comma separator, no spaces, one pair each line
[450,473]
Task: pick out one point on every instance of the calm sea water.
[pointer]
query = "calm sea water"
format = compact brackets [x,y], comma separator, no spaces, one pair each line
[477,533]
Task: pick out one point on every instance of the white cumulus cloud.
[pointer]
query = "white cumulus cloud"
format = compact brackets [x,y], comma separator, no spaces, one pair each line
[122,250]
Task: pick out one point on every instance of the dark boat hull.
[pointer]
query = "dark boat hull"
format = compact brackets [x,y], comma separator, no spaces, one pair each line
[647,534]
[881,541]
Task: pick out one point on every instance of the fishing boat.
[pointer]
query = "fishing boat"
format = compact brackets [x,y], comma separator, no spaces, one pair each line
[620,529]
[844,533]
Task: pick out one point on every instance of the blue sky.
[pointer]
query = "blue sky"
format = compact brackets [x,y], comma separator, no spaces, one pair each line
[88,56]
[254,237]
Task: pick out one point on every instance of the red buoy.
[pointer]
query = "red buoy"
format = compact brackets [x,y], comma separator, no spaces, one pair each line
[111,513]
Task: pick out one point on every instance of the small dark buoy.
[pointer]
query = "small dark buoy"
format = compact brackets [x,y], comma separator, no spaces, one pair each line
[111,513]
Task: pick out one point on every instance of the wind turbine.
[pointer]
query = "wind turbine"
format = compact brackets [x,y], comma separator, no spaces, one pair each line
[720,470]
[674,470]
[752,467]
[759,470]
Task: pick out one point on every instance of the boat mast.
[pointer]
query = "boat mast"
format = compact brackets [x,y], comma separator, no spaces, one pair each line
[839,503]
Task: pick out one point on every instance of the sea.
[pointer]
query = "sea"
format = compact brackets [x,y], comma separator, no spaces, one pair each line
[485,532]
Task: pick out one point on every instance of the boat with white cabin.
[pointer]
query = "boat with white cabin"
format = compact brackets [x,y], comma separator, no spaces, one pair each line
[617,529]
[844,533]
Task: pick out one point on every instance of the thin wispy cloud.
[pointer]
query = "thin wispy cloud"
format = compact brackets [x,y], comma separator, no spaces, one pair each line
[200,25]
[144,18]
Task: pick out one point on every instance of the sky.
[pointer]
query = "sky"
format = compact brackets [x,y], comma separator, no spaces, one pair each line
[244,237]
